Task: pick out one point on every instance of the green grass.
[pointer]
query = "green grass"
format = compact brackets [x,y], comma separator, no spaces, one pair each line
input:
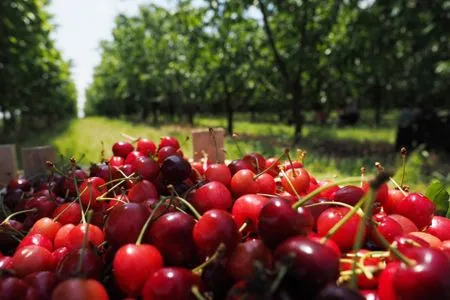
[332,151]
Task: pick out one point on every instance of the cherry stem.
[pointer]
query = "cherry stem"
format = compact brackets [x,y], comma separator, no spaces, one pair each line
[269,167]
[63,211]
[191,208]
[403,152]
[359,212]
[244,225]
[195,290]
[85,241]
[129,137]
[102,152]
[83,217]
[286,152]
[147,222]
[280,275]
[119,179]
[6,220]
[219,252]
[393,250]
[233,137]
[291,185]
[213,136]
[398,186]
[323,188]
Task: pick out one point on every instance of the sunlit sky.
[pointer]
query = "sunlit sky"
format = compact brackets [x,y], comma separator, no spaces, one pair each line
[82,24]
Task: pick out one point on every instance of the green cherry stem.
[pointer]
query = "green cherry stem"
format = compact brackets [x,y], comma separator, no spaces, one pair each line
[147,222]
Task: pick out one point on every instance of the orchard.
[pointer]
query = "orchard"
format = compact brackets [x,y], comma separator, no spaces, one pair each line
[148,223]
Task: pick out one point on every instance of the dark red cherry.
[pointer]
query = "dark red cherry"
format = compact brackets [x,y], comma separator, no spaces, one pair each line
[69,266]
[170,283]
[278,221]
[218,172]
[146,167]
[43,282]
[239,164]
[69,183]
[168,141]
[349,194]
[273,164]
[122,149]
[45,208]
[406,242]
[12,288]
[382,193]
[216,279]
[90,190]
[80,289]
[59,253]
[213,228]
[146,146]
[247,209]
[417,208]
[240,263]
[172,235]
[20,183]
[311,265]
[175,169]
[334,292]
[212,195]
[124,224]
[256,160]
[142,191]
[167,151]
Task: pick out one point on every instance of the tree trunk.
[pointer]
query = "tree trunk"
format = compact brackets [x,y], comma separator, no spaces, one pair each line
[229,109]
[377,102]
[297,93]
[155,113]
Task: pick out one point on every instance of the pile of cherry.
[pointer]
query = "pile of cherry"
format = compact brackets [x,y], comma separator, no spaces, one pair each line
[149,224]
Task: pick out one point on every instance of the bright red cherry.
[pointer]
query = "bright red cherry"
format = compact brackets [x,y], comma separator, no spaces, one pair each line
[198,166]
[349,194]
[91,189]
[76,236]
[417,208]
[440,227]
[382,193]
[47,227]
[267,184]
[122,149]
[116,161]
[68,213]
[172,235]
[213,228]
[146,146]
[131,158]
[385,286]
[212,195]
[62,236]
[433,241]
[168,141]
[273,164]
[218,172]
[407,224]
[406,242]
[167,151]
[80,289]
[394,197]
[146,167]
[344,236]
[247,209]
[142,191]
[388,228]
[6,263]
[36,239]
[59,254]
[363,281]
[300,181]
[329,192]
[243,182]
[170,283]
[278,221]
[31,259]
[133,264]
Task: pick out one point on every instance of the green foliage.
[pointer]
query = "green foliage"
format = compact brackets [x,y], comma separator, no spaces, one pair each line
[35,85]
[437,193]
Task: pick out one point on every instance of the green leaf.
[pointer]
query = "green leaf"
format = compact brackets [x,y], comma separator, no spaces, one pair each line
[437,193]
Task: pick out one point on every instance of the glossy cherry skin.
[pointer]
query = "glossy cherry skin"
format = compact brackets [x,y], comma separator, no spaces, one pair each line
[349,194]
[175,169]
[240,263]
[382,193]
[388,228]
[142,191]
[333,292]
[131,158]
[273,164]
[68,213]
[47,227]
[133,264]
[267,184]
[370,294]
[59,254]
[43,282]
[247,209]
[36,239]
[116,161]
[62,236]
[407,224]
[80,289]
[256,160]
[93,188]
[172,235]
[45,208]
[19,184]
[170,283]
[124,224]
[30,259]
[385,285]
[427,279]
[312,265]
[406,242]
[167,151]
[278,221]
[394,197]
[122,149]
[12,288]
[198,166]
[168,141]
[433,241]
[146,146]
[69,266]
[212,195]
[417,208]
[76,236]
[239,164]
[218,172]
[243,183]
[300,181]
[213,228]
[146,167]
[344,236]
[440,227]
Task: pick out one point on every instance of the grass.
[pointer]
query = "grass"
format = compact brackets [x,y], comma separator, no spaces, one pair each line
[332,151]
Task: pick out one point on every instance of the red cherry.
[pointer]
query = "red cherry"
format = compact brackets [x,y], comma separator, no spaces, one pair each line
[329,192]
[122,149]
[407,224]
[247,209]
[218,172]
[167,151]
[170,283]
[69,183]
[47,227]
[278,222]
[274,170]
[329,243]
[31,259]
[363,281]
[213,228]
[76,236]
[349,194]
[243,183]
[168,141]
[429,238]
[417,208]
[45,208]
[312,265]
[43,282]
[300,182]
[394,197]
[146,146]
[6,263]
[69,266]
[80,289]
[68,213]
[172,235]
[345,235]
[440,227]
[382,193]
[267,184]
[295,164]
[406,242]
[338,292]
[93,188]
[142,191]
[133,264]
[389,229]
[19,184]
[426,279]
[370,294]
[237,165]
[146,167]
[212,195]
[59,254]
[36,239]
[12,288]
[62,236]
[131,158]
[240,263]
[116,161]
[256,160]
[198,166]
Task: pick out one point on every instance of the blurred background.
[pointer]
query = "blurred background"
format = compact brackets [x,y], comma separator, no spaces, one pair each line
[348,81]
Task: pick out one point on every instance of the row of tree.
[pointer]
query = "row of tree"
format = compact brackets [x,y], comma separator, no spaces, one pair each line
[273,56]
[35,85]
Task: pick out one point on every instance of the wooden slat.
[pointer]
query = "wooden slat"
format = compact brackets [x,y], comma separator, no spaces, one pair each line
[8,163]
[34,159]
[202,140]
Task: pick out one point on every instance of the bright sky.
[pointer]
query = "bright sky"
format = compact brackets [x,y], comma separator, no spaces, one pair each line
[82,24]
